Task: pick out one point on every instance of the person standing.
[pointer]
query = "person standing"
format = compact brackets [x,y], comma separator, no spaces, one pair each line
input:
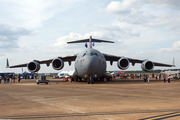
[153,75]
[164,78]
[169,79]
[145,78]
[7,78]
[159,76]
[0,79]
[156,77]
[4,79]
[19,78]
[13,77]
[10,78]
[148,78]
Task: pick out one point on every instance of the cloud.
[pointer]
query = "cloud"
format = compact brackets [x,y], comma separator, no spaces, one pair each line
[129,11]
[171,4]
[9,36]
[118,7]
[32,13]
[126,5]
[167,22]
[117,33]
[107,32]
[175,47]
[62,41]
[138,12]
[123,51]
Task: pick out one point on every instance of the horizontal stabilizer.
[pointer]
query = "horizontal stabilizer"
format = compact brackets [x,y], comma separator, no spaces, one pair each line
[89,40]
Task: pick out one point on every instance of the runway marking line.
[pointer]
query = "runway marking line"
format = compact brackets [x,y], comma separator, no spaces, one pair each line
[165,116]
[101,113]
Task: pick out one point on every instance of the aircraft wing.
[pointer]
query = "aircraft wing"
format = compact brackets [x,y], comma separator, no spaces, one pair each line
[16,66]
[47,62]
[112,58]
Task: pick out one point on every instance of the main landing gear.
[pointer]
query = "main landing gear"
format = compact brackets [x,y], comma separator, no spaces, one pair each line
[90,80]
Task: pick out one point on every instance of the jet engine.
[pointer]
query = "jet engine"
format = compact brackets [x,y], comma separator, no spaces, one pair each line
[123,63]
[33,66]
[147,66]
[57,64]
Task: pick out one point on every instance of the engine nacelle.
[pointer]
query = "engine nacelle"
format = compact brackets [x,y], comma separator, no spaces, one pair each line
[123,63]
[147,66]
[57,64]
[33,66]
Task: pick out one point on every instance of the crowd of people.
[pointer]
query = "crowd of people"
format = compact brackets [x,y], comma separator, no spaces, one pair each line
[146,77]
[9,78]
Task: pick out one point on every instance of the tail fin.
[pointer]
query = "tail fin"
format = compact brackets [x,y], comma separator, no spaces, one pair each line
[7,65]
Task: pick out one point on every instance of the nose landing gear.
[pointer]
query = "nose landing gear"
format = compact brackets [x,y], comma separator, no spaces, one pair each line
[90,80]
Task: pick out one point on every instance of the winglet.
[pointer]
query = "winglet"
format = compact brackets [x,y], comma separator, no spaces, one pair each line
[7,65]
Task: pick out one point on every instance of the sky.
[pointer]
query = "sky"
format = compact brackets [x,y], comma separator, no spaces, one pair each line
[40,29]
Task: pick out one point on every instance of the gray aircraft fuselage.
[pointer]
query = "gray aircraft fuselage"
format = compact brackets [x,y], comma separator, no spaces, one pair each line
[90,63]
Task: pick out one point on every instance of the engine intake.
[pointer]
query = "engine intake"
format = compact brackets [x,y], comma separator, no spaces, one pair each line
[57,64]
[147,66]
[123,63]
[33,66]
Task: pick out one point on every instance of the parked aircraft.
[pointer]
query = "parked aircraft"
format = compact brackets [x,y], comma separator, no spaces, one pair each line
[90,64]
[65,74]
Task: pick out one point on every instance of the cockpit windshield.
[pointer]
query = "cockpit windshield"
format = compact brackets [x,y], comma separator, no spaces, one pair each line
[91,54]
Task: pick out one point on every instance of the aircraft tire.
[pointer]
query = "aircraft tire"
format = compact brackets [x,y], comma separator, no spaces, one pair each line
[88,81]
[92,81]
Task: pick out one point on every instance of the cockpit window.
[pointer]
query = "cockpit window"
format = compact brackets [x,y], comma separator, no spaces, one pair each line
[90,54]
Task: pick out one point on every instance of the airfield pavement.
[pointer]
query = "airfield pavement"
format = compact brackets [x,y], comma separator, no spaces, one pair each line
[123,99]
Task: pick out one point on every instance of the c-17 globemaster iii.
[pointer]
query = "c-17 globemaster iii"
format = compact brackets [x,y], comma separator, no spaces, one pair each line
[90,64]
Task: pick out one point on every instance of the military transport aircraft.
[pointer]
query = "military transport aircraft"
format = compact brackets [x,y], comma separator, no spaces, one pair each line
[90,64]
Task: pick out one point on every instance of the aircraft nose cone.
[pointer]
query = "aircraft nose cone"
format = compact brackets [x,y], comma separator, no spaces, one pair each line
[91,65]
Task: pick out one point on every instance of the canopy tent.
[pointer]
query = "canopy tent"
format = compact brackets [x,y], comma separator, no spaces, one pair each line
[27,75]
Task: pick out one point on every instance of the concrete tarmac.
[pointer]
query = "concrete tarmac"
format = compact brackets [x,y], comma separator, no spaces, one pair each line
[123,99]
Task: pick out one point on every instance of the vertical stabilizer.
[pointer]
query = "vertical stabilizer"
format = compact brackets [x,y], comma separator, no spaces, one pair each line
[90,41]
